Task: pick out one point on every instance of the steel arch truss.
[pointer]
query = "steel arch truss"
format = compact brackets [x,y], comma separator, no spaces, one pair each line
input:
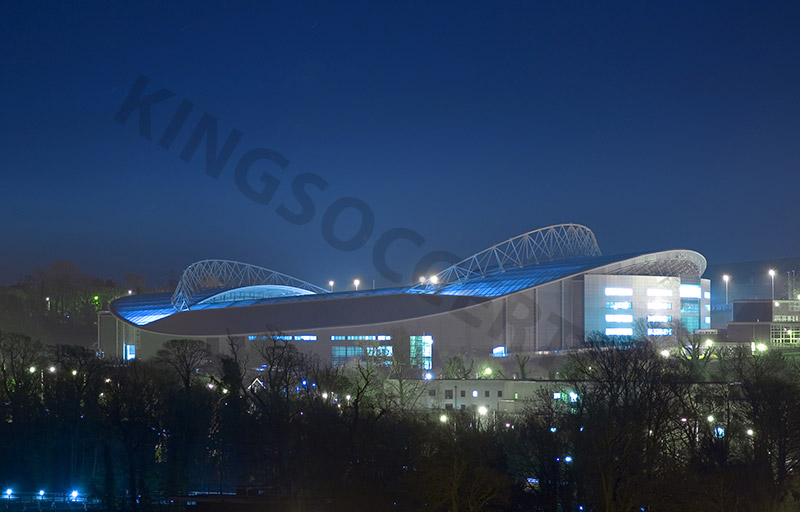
[210,274]
[542,245]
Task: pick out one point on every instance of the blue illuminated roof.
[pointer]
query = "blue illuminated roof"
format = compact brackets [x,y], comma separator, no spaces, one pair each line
[514,280]
[144,309]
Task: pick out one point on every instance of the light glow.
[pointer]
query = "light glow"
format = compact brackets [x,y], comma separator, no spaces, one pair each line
[619,331]
[659,319]
[482,410]
[619,305]
[690,291]
[619,318]
[659,331]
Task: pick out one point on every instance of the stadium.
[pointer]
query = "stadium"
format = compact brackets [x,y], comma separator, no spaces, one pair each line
[538,294]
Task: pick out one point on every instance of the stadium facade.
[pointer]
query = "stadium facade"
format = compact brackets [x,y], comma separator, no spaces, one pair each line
[536,294]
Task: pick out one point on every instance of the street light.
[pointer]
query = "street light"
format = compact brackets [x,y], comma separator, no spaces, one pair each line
[356,283]
[772,277]
[434,280]
[330,283]
[726,278]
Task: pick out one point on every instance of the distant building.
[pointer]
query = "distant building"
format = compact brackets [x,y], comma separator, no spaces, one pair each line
[539,294]
[773,321]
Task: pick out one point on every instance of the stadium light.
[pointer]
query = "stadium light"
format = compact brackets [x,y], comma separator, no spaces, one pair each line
[726,278]
[772,278]
[356,283]
[330,283]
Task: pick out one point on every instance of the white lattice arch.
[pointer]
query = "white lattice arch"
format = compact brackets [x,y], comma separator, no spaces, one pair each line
[560,241]
[210,274]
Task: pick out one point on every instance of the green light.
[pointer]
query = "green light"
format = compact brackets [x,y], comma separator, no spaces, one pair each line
[487,371]
[96,297]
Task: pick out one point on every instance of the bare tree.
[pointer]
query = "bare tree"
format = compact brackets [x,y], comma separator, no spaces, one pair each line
[185,357]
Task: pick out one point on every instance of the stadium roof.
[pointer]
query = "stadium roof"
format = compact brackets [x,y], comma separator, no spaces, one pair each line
[498,281]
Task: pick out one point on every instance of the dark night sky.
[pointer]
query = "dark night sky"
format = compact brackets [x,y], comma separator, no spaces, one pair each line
[657,125]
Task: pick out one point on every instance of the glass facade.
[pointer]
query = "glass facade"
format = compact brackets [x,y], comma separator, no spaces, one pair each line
[422,351]
[341,354]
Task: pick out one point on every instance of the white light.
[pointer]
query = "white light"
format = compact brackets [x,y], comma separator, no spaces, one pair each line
[74,372]
[707,295]
[619,305]
[210,386]
[619,318]
[32,369]
[74,494]
[482,410]
[665,353]
[474,393]
[130,292]
[429,376]
[422,279]
[658,292]
[356,282]
[52,369]
[771,273]
[659,331]
[573,396]
[726,278]
[709,343]
[619,331]
[683,420]
[324,396]
[761,347]
[443,418]
[659,318]
[41,492]
[749,431]
[8,492]
[690,291]
[567,459]
[435,280]
[710,418]
[777,303]
[619,292]
[659,305]
[347,398]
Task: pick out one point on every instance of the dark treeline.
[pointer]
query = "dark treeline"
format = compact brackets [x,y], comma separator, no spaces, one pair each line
[631,429]
[59,303]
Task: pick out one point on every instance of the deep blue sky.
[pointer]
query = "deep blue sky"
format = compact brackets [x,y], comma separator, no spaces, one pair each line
[658,126]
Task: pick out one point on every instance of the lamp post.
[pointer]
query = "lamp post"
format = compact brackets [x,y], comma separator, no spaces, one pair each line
[330,283]
[356,283]
[772,277]
[726,278]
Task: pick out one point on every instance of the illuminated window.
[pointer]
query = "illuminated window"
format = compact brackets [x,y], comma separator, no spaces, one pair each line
[380,351]
[708,307]
[619,331]
[384,337]
[619,318]
[619,292]
[659,318]
[499,351]
[659,305]
[618,305]
[130,352]
[337,338]
[658,292]
[708,319]
[707,295]
[341,354]
[422,351]
[474,393]
[690,291]
[305,337]
[659,331]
